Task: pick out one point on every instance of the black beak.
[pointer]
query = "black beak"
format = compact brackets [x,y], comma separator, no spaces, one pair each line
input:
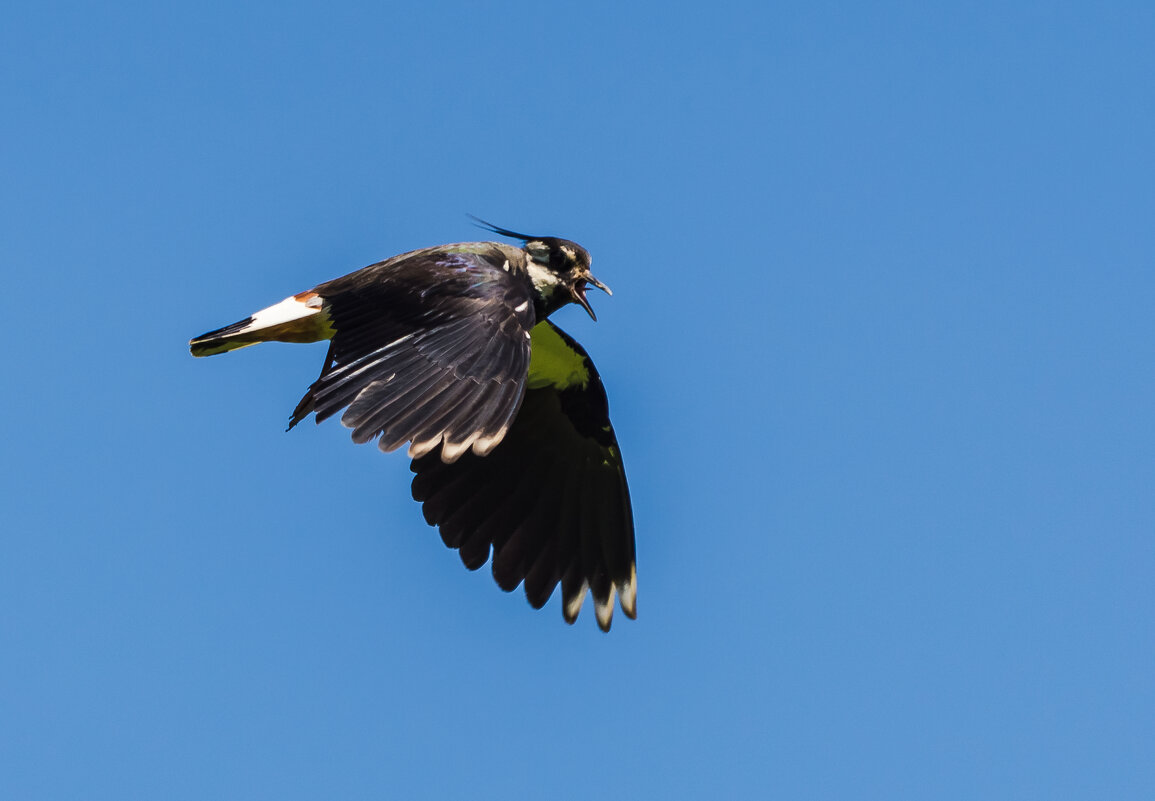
[578,290]
[599,284]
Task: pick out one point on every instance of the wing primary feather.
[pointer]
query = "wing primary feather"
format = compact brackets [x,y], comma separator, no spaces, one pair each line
[338,376]
[514,561]
[449,404]
[504,516]
[378,405]
[573,588]
[574,582]
[412,422]
[471,503]
[604,608]
[543,573]
[335,396]
[628,592]
[490,420]
[452,450]
[611,524]
[307,402]
[474,552]
[422,447]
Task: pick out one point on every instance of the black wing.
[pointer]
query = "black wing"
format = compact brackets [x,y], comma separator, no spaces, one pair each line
[430,347]
[551,500]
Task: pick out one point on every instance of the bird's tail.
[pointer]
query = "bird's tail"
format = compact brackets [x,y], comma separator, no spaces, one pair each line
[301,318]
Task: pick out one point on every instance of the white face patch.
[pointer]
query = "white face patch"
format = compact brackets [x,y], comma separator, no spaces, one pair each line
[545,280]
[519,308]
[537,250]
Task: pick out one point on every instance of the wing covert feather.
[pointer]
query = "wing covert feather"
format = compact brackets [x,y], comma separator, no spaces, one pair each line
[430,347]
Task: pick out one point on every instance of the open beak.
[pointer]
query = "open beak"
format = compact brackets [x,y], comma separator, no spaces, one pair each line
[599,284]
[578,290]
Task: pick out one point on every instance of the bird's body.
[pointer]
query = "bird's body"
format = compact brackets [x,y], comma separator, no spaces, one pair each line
[448,349]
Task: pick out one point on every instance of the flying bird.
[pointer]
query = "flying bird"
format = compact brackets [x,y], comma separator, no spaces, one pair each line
[449,350]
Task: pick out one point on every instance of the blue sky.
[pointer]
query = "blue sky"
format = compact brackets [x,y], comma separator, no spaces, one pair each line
[880,359]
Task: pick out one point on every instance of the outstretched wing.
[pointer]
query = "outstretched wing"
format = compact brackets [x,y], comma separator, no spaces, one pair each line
[430,347]
[551,500]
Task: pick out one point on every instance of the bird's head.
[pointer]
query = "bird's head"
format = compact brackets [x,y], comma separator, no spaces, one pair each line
[559,269]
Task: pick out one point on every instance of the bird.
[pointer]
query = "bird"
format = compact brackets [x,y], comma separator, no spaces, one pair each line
[449,350]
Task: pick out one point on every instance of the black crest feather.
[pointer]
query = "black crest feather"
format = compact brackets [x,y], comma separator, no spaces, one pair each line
[497,229]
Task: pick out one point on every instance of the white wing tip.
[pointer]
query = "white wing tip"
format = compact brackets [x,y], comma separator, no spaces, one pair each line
[419,449]
[484,445]
[629,594]
[574,605]
[452,451]
[605,609]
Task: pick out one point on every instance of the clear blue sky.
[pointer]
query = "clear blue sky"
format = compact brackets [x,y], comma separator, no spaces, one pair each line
[880,357]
